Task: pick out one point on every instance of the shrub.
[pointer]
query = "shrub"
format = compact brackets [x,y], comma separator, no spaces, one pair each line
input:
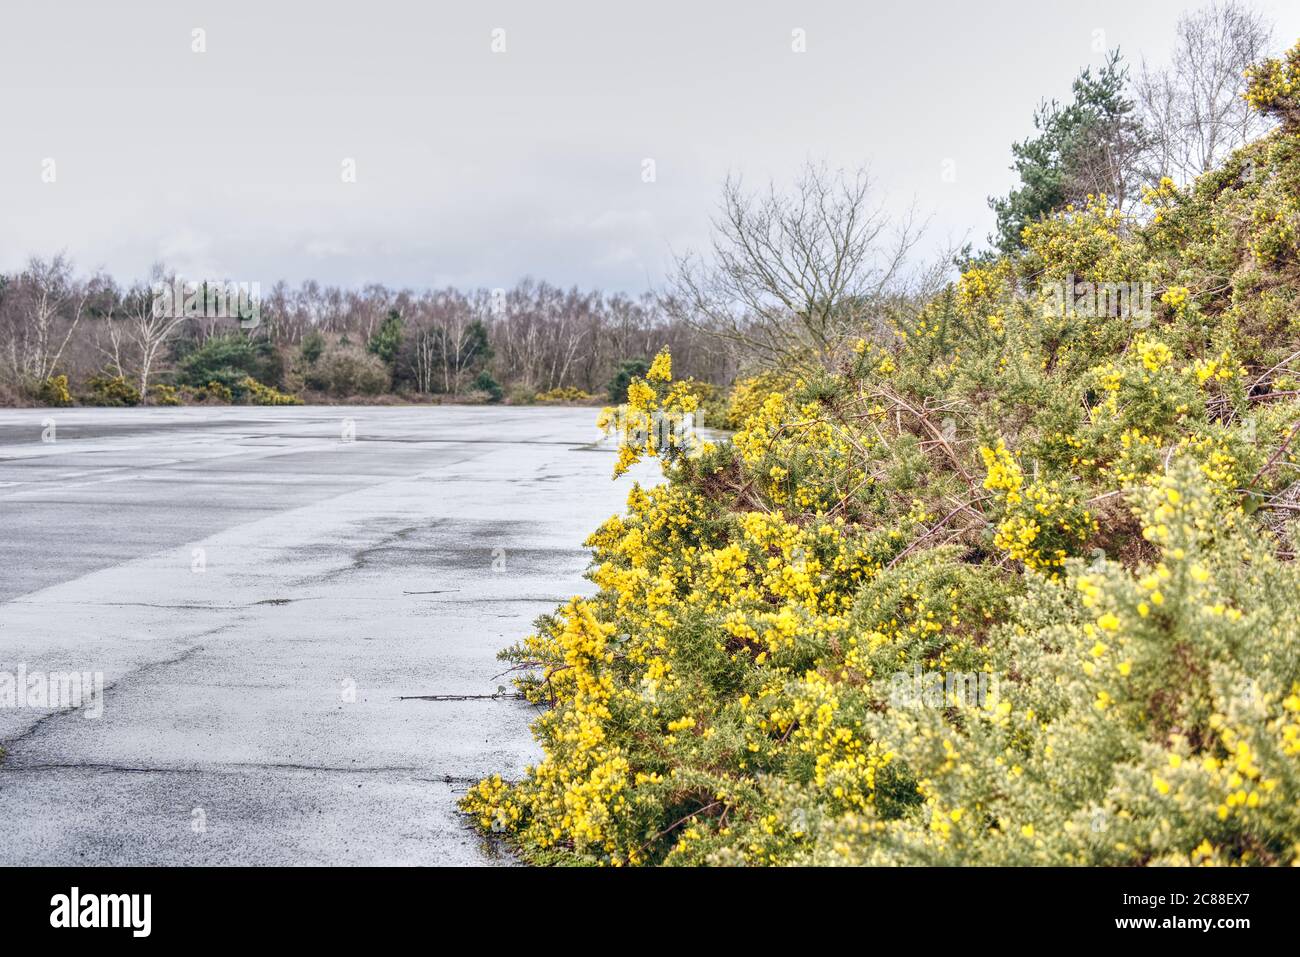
[521,395]
[228,359]
[313,345]
[214,393]
[111,391]
[710,404]
[163,394]
[484,382]
[1086,518]
[566,395]
[1274,86]
[54,391]
[255,393]
[347,370]
[748,394]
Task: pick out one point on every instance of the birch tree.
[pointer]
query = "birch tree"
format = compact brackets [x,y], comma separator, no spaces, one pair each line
[1193,110]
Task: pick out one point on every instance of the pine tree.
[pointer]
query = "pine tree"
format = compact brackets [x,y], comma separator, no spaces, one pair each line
[1084,148]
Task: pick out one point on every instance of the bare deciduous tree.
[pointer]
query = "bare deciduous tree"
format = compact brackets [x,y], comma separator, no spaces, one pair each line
[151,327]
[46,305]
[792,275]
[1193,110]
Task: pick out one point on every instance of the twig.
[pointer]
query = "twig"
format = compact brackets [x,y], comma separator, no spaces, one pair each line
[921,416]
[930,531]
[1103,496]
[1270,396]
[1294,355]
[678,823]
[1281,450]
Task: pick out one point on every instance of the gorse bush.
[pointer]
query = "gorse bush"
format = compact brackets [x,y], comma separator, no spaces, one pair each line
[710,402]
[54,391]
[214,393]
[748,394]
[567,394]
[163,394]
[111,391]
[1088,515]
[255,393]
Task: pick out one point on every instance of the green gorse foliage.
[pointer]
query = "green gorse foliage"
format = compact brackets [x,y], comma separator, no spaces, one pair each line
[1085,514]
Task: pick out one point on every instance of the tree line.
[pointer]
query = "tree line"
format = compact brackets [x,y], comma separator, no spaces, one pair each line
[113,344]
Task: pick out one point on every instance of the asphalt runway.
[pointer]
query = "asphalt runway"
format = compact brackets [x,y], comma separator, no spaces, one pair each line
[262,591]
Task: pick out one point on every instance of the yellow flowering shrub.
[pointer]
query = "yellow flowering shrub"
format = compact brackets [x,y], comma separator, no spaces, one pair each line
[161,393]
[749,393]
[258,394]
[567,395]
[657,419]
[1274,85]
[1040,525]
[1016,585]
[54,391]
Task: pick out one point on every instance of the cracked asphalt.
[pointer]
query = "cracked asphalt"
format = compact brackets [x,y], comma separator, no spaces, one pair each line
[267,601]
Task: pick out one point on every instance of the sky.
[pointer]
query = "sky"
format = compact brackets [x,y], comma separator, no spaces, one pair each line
[426,144]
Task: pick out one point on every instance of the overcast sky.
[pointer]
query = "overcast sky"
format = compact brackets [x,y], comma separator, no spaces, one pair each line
[475,167]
